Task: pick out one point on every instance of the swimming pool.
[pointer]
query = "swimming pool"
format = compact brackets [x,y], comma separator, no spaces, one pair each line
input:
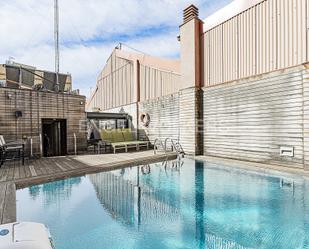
[197,205]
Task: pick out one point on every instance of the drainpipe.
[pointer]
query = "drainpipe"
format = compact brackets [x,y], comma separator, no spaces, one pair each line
[75,144]
[20,76]
[31,148]
[41,145]
[138,96]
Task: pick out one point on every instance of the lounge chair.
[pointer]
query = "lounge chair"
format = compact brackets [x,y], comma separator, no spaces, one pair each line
[128,137]
[122,139]
[9,148]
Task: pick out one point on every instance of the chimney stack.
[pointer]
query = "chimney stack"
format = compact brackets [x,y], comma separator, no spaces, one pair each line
[190,13]
[190,97]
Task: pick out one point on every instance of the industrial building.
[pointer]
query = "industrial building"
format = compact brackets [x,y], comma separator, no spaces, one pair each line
[240,89]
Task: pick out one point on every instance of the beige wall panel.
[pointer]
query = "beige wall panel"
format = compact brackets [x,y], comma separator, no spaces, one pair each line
[142,79]
[247,43]
[115,84]
[103,92]
[156,83]
[206,59]
[216,45]
[266,37]
[230,50]
[250,119]
[291,33]
[269,36]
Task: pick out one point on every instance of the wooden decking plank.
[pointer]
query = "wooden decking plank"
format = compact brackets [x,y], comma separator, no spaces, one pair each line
[10,174]
[40,170]
[27,170]
[4,175]
[9,211]
[16,172]
[78,164]
[69,165]
[46,164]
[57,165]
[22,172]
[75,164]
[43,166]
[32,170]
[62,166]
[2,199]
[52,168]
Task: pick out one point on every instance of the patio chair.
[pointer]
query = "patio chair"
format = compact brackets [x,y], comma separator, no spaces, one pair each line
[15,148]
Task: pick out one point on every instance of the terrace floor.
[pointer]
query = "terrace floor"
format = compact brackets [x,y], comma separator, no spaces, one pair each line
[13,175]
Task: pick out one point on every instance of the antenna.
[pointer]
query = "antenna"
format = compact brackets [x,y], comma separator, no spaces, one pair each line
[56,36]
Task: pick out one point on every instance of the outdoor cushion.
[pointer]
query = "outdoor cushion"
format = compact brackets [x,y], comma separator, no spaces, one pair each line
[117,136]
[127,134]
[106,135]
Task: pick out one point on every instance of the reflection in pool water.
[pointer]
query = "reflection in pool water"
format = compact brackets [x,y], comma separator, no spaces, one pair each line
[198,205]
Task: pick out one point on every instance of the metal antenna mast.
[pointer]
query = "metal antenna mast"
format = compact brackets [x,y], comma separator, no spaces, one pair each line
[56,36]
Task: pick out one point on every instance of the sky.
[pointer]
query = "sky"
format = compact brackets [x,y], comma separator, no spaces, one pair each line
[89,30]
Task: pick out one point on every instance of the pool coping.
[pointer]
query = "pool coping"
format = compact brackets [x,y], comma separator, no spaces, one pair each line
[268,169]
[8,206]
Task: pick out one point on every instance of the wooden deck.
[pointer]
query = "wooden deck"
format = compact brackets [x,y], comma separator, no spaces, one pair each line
[7,202]
[13,175]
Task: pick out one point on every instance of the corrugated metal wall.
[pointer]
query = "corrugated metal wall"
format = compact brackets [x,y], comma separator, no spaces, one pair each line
[251,119]
[164,117]
[117,84]
[155,83]
[269,36]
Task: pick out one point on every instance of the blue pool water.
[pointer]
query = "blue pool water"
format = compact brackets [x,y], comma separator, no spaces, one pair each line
[198,205]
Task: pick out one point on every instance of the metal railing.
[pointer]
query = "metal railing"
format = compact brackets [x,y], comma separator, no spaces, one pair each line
[158,142]
[175,146]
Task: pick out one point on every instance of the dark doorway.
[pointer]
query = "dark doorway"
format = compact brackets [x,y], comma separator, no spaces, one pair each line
[54,136]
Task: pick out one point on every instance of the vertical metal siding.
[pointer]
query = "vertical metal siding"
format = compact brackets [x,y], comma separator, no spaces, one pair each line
[230,50]
[265,37]
[206,59]
[247,43]
[271,35]
[155,83]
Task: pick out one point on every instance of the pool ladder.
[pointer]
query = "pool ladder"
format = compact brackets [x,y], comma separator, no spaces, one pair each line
[175,146]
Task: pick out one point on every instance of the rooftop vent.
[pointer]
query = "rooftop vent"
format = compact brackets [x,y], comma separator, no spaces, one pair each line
[190,13]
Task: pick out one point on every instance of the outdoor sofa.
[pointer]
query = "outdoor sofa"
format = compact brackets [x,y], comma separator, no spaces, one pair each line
[122,139]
